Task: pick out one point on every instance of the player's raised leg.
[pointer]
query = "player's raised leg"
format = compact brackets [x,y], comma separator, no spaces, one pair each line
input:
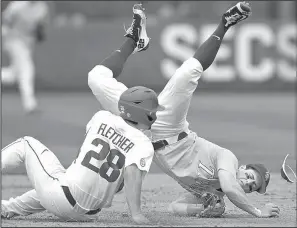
[43,169]
[176,95]
[101,79]
[40,162]
[207,52]
[26,78]
[138,41]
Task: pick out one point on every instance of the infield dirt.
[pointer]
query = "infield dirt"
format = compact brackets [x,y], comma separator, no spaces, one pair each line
[158,191]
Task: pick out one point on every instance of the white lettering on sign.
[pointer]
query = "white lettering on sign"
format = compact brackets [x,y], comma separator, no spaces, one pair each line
[252,52]
[219,71]
[247,34]
[175,49]
[287,64]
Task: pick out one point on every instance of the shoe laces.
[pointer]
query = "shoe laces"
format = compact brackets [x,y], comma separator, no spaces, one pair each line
[130,29]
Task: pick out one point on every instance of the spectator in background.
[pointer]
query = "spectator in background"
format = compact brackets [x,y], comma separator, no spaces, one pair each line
[174,9]
[23,26]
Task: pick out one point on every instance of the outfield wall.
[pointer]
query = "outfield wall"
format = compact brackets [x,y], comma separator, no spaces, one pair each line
[257,55]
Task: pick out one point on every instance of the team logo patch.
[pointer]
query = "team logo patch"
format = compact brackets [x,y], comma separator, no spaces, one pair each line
[122,109]
[142,162]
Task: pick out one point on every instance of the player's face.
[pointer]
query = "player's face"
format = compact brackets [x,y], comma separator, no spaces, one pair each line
[249,179]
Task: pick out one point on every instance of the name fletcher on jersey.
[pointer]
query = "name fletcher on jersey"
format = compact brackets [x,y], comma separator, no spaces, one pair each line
[116,138]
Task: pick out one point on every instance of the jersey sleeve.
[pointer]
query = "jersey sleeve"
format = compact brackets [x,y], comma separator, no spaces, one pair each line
[142,156]
[227,161]
[89,124]
[106,89]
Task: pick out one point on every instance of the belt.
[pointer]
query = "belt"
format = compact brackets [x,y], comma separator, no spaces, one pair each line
[162,143]
[72,201]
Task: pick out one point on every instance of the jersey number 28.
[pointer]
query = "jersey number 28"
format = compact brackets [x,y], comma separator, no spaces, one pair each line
[115,160]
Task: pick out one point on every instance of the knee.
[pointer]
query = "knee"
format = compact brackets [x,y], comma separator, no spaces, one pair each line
[192,69]
[30,140]
[97,77]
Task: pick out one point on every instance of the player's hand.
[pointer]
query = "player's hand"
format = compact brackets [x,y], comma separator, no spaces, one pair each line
[270,210]
[140,219]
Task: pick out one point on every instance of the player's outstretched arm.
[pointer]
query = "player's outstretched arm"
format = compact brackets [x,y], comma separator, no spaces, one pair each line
[237,196]
[133,182]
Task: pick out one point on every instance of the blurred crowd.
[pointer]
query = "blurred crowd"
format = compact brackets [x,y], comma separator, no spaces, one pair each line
[77,13]
[94,10]
[99,9]
[24,24]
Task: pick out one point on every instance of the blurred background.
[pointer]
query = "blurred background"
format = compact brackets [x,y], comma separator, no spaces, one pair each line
[245,101]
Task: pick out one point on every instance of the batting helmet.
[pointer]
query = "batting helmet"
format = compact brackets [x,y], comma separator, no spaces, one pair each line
[139,105]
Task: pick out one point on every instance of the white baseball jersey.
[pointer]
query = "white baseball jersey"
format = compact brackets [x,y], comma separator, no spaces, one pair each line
[193,161]
[110,145]
[23,16]
[106,89]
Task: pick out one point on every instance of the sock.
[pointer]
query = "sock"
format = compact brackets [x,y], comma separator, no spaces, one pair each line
[115,62]
[207,52]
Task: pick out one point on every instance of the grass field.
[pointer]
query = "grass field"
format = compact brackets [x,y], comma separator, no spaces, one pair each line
[256,127]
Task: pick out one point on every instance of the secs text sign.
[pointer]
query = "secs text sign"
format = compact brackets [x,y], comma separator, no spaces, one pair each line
[250,52]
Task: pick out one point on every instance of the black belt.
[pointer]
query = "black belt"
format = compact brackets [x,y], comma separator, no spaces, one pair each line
[162,143]
[72,201]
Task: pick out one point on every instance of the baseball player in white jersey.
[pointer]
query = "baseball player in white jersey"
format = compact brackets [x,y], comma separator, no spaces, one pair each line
[23,26]
[116,148]
[206,170]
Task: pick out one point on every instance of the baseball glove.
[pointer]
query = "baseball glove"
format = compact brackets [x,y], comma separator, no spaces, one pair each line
[214,206]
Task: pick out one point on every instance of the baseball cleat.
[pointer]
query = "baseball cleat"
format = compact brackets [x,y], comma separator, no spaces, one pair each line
[6,214]
[137,30]
[239,12]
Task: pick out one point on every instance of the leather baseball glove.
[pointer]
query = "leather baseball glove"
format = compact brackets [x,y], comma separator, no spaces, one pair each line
[214,206]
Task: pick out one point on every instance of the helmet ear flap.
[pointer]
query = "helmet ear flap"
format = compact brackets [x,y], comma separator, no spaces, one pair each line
[150,118]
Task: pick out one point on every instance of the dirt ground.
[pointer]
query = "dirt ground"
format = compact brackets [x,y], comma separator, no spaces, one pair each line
[158,191]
